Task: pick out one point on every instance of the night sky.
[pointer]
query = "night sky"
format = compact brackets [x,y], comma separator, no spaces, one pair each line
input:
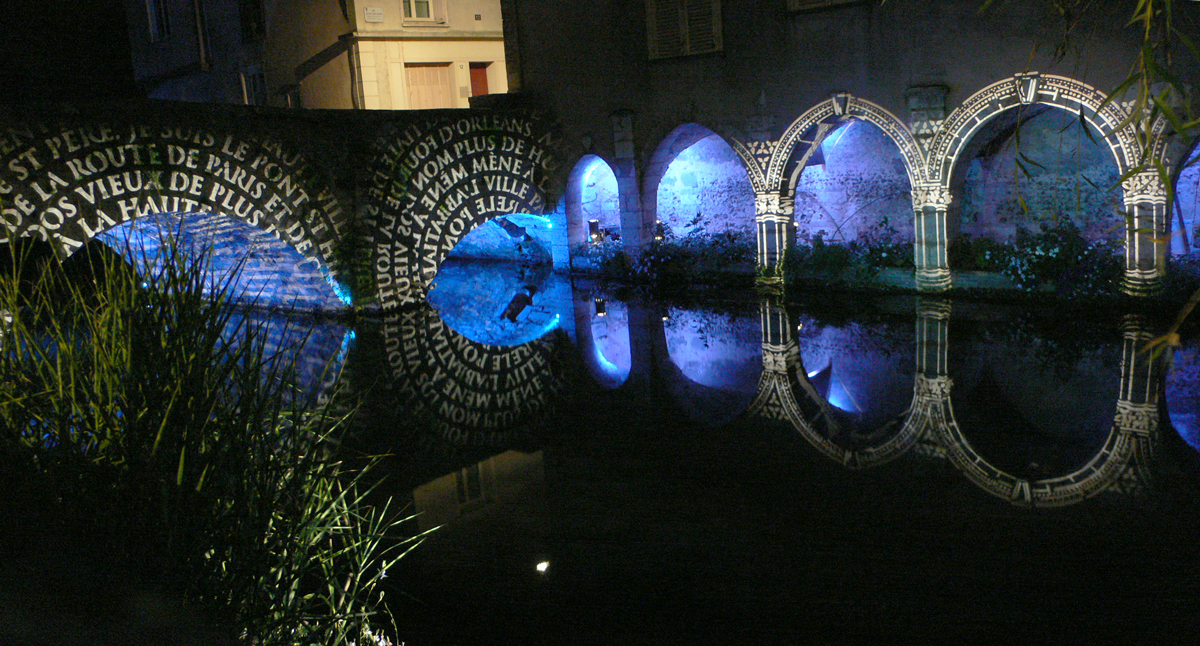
[64,50]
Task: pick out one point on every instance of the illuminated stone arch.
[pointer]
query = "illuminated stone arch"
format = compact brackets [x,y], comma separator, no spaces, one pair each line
[432,182]
[775,207]
[70,181]
[1143,193]
[579,208]
[668,150]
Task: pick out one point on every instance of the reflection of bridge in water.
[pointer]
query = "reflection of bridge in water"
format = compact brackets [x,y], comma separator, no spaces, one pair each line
[859,405]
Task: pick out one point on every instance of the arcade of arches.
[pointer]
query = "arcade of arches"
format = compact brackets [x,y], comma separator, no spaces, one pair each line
[374,205]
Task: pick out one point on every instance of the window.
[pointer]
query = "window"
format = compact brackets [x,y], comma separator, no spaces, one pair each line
[428,11]
[254,87]
[683,27]
[160,25]
[254,23]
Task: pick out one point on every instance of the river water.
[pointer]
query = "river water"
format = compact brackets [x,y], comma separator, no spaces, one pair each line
[607,468]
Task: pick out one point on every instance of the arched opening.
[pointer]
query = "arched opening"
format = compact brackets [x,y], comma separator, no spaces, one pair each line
[718,358]
[254,266]
[700,186]
[498,286]
[855,188]
[1031,180]
[593,203]
[1185,215]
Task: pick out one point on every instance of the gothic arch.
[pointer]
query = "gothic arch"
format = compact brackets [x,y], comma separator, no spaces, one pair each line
[675,142]
[1022,90]
[576,208]
[809,128]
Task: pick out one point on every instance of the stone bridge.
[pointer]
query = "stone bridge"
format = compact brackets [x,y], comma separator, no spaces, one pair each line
[371,202]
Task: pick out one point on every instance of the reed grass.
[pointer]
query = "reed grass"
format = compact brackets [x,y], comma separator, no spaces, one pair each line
[152,418]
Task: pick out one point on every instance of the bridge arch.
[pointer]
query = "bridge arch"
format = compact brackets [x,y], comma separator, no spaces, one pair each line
[432,182]
[68,182]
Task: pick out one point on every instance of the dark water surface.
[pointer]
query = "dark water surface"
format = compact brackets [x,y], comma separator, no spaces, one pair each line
[740,471]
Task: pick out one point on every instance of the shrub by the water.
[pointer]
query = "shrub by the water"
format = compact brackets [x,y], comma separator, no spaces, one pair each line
[147,422]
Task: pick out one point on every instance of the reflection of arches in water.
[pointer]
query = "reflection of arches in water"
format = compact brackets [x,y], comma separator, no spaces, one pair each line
[1030,404]
[715,361]
[789,392]
[602,334]
[1182,392]
[470,392]
[1120,464]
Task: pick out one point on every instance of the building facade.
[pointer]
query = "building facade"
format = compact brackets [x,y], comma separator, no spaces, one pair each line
[334,54]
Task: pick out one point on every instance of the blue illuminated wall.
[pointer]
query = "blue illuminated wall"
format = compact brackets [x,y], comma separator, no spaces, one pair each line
[855,187]
[598,199]
[269,273]
[1055,167]
[1187,194]
[705,190]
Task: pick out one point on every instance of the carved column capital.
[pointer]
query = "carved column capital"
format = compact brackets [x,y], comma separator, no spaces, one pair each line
[934,195]
[1145,187]
[773,203]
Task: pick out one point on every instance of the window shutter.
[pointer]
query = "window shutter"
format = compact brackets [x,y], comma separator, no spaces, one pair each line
[683,27]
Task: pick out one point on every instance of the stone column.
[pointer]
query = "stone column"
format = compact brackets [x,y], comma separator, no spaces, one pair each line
[634,233]
[930,204]
[1146,233]
[773,211]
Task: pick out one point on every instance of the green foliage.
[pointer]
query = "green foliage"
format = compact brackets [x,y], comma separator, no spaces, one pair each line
[846,263]
[1059,256]
[148,413]
[696,257]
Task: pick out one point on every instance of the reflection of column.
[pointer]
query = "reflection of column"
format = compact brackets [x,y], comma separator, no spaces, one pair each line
[1146,233]
[781,364]
[1141,386]
[931,414]
[930,202]
[773,212]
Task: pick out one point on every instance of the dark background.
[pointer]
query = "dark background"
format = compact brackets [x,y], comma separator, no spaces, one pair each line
[64,50]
